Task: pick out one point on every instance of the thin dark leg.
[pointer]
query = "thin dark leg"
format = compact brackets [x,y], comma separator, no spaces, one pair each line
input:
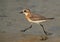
[27,28]
[43,29]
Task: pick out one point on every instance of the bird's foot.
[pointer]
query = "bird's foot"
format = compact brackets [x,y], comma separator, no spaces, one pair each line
[49,33]
[22,30]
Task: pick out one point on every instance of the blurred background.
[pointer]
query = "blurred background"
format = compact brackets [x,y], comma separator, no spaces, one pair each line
[12,22]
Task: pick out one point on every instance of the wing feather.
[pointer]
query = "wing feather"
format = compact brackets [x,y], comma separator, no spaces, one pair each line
[37,17]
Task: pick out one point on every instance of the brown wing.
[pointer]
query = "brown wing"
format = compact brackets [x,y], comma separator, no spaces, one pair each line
[37,17]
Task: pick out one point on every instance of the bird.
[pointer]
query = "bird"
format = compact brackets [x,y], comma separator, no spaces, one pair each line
[34,18]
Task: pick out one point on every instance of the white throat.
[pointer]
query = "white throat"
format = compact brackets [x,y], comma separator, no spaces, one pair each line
[26,14]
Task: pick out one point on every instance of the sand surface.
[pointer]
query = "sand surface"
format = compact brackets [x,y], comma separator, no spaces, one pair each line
[11,21]
[20,37]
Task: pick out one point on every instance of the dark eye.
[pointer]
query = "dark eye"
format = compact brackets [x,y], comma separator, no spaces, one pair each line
[24,10]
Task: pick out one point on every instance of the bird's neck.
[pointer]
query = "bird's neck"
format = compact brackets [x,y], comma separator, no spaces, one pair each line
[28,15]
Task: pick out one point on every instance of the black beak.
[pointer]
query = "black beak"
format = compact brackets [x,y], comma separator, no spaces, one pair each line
[21,12]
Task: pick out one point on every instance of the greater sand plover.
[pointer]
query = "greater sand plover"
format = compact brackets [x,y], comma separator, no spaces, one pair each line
[34,18]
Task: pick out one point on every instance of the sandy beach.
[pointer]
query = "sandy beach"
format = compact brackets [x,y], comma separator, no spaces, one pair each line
[19,37]
[11,22]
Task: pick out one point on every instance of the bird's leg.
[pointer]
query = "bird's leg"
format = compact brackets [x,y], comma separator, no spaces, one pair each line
[27,28]
[43,29]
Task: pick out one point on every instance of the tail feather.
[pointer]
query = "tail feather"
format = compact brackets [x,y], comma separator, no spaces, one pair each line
[50,18]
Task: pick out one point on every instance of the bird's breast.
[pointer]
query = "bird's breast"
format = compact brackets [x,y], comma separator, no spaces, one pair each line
[28,19]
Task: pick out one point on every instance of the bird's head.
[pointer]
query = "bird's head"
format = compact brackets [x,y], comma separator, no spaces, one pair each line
[25,11]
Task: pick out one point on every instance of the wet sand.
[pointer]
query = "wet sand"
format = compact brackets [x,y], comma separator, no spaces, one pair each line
[11,22]
[20,37]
